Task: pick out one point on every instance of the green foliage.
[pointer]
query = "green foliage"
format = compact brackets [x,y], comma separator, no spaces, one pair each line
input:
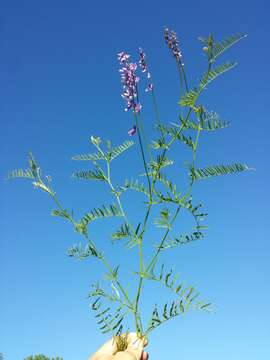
[109,155]
[213,74]
[161,162]
[159,143]
[161,192]
[81,252]
[108,320]
[33,172]
[112,275]
[186,297]
[96,174]
[41,357]
[61,213]
[136,186]
[103,212]
[183,239]
[163,220]
[20,173]
[217,170]
[118,150]
[98,292]
[190,98]
[175,134]
[122,232]
[219,47]
[89,157]
[210,121]
[171,310]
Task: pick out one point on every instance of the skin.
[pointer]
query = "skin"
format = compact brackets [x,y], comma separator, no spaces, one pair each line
[134,350]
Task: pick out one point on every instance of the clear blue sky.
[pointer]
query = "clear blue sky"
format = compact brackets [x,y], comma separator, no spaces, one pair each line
[59,84]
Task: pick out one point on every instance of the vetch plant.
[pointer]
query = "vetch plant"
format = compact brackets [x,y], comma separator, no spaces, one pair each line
[161,193]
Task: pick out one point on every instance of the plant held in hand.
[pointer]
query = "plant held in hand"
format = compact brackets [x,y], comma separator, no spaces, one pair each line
[161,194]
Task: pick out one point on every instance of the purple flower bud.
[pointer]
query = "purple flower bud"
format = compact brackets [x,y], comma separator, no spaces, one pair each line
[142,61]
[143,65]
[173,44]
[132,131]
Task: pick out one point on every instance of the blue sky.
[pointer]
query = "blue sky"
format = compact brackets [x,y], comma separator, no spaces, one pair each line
[59,85]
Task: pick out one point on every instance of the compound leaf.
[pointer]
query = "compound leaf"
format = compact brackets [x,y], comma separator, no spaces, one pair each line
[217,170]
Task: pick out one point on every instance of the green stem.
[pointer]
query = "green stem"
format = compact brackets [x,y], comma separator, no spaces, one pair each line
[154,258]
[143,155]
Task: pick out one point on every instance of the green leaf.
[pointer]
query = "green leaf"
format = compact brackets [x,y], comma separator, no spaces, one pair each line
[209,121]
[113,275]
[159,144]
[122,232]
[89,157]
[90,175]
[21,173]
[163,220]
[118,150]
[61,213]
[99,213]
[220,47]
[213,74]
[111,154]
[107,320]
[168,312]
[186,299]
[161,162]
[136,186]
[217,170]
[80,252]
[182,240]
[175,133]
[168,184]
[190,98]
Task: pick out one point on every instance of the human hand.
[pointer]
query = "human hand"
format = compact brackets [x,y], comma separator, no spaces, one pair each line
[134,350]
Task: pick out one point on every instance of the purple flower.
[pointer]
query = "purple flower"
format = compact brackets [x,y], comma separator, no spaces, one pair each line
[132,131]
[142,61]
[138,108]
[149,87]
[143,65]
[123,57]
[129,80]
[173,44]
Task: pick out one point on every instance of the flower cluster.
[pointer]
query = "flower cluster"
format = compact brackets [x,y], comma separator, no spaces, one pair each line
[143,65]
[129,81]
[173,43]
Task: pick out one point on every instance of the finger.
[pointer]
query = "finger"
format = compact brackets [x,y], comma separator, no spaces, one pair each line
[144,355]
